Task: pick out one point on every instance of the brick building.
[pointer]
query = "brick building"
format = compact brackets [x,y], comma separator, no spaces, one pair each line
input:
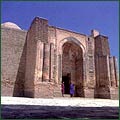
[35,62]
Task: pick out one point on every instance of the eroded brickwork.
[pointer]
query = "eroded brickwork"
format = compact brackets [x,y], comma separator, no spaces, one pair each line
[105,69]
[35,64]
[12,43]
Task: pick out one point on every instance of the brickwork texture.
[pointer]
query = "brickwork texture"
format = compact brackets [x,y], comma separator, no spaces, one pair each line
[37,61]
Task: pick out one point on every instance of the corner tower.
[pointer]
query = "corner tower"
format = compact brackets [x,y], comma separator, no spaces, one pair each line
[105,68]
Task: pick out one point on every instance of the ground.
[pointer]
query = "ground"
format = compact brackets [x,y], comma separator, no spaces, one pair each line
[64,107]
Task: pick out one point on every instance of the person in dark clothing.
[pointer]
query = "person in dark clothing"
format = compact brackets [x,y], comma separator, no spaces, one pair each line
[72,89]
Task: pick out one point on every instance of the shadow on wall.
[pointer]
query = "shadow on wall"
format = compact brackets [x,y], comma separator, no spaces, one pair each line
[19,83]
[79,91]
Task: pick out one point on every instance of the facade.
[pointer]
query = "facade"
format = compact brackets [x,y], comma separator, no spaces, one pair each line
[37,61]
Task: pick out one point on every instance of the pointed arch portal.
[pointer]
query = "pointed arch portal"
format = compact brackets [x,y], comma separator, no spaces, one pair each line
[72,67]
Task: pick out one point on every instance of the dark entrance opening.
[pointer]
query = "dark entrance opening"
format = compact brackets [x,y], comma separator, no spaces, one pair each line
[66,80]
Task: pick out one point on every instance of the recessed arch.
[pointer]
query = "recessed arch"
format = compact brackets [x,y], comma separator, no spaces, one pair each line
[72,53]
[71,39]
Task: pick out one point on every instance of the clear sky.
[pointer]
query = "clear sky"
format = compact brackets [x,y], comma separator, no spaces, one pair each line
[79,16]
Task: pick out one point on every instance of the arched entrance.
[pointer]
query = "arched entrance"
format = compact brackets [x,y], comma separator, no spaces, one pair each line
[72,67]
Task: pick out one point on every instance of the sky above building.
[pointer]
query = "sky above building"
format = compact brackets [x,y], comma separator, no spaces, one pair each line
[78,16]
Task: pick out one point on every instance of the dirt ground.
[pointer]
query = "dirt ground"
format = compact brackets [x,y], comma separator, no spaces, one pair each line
[60,108]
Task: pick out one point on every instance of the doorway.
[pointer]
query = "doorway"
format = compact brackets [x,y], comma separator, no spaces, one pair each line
[66,80]
[72,64]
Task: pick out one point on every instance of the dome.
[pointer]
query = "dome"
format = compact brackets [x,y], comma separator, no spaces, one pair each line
[10,25]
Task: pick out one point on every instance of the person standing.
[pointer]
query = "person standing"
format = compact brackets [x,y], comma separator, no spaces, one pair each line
[63,89]
[72,89]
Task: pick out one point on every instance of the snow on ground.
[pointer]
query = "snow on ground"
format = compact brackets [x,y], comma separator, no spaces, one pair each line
[62,101]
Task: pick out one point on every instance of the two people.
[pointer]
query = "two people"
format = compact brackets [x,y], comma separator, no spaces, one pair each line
[72,89]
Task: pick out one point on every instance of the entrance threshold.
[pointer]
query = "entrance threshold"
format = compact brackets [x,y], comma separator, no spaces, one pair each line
[66,95]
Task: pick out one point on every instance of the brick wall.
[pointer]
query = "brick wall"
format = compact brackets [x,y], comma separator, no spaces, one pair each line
[102,69]
[32,67]
[12,44]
